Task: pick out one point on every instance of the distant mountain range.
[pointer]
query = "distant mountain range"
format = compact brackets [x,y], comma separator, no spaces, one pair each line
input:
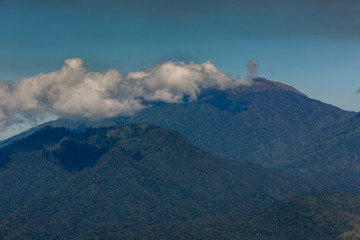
[127,178]
[139,181]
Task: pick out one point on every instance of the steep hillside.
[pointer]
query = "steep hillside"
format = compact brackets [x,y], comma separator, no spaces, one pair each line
[62,184]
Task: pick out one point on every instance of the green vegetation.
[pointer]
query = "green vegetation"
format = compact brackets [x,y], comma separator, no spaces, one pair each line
[320,216]
[315,216]
[130,177]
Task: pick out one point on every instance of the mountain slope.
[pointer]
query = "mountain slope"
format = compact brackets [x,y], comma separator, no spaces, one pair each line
[129,177]
[269,123]
[245,127]
[246,123]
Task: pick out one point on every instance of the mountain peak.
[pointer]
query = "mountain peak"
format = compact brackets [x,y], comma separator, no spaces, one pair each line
[262,84]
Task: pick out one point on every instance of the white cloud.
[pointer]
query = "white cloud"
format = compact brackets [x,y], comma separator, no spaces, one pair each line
[73,92]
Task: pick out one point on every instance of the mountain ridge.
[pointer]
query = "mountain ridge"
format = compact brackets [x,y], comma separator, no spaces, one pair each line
[258,85]
[144,175]
[263,84]
[140,180]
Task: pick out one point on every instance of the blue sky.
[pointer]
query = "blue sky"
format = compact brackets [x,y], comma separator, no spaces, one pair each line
[311,45]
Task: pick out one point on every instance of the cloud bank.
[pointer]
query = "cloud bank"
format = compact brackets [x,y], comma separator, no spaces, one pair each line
[73,92]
